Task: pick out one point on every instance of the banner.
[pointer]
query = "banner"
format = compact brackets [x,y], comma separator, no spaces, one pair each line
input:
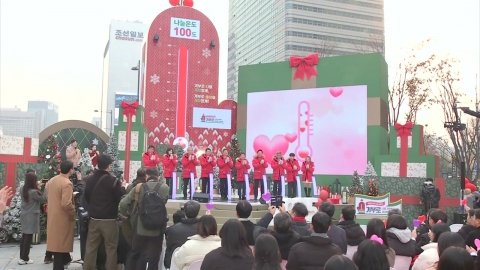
[229,187]
[173,188]
[265,187]
[367,205]
[247,187]
[192,185]
[299,187]
[282,185]
[210,184]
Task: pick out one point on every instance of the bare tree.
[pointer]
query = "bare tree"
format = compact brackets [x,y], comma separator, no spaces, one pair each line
[372,44]
[438,146]
[326,48]
[411,85]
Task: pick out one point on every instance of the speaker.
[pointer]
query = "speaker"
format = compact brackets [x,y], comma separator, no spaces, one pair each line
[462,175]
[201,197]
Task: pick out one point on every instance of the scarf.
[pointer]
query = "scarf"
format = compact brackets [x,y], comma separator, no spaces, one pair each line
[300,219]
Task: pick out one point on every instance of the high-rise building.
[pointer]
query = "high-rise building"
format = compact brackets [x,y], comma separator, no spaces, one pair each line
[47,110]
[122,53]
[96,121]
[271,31]
[14,122]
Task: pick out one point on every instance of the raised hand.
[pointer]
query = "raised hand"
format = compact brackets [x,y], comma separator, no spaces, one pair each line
[5,195]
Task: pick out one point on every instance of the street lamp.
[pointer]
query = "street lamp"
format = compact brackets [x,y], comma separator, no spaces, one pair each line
[137,68]
[111,118]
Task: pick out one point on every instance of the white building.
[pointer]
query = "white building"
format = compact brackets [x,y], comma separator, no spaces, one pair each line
[96,121]
[272,31]
[122,53]
[14,122]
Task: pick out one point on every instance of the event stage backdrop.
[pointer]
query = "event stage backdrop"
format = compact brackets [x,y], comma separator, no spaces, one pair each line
[328,124]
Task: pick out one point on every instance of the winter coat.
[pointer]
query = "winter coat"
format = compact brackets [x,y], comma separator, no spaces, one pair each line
[242,169]
[285,240]
[355,234]
[339,237]
[224,167]
[292,168]
[465,230]
[259,169]
[61,215]
[73,154]
[207,167]
[303,228]
[312,253]
[278,169]
[389,252]
[427,258]
[401,241]
[218,259]
[169,165]
[250,226]
[430,195]
[195,249]
[148,162]
[189,166]
[30,212]
[307,173]
[177,235]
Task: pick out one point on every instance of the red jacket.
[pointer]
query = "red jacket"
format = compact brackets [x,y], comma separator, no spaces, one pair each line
[169,165]
[291,171]
[278,169]
[207,167]
[223,167]
[259,168]
[241,169]
[189,166]
[307,173]
[148,163]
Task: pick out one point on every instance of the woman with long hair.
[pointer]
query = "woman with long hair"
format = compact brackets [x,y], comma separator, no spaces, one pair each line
[446,240]
[371,255]
[198,245]
[94,155]
[169,166]
[376,227]
[429,256]
[308,167]
[339,262]
[455,258]
[32,197]
[234,254]
[267,253]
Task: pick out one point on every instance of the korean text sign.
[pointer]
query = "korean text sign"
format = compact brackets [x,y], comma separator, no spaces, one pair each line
[184,28]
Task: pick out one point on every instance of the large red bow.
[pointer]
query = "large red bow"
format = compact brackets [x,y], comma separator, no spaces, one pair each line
[129,109]
[304,66]
[404,130]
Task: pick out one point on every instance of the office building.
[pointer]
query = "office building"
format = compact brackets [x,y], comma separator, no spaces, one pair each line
[48,111]
[122,52]
[15,122]
[272,31]
[96,121]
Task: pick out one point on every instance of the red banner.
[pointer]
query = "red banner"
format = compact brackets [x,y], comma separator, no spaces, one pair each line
[129,110]
[403,131]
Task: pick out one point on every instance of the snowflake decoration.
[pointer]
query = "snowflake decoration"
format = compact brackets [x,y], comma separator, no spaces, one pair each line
[95,141]
[154,79]
[225,134]
[206,71]
[206,53]
[153,114]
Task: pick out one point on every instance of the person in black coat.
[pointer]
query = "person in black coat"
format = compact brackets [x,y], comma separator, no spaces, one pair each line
[244,210]
[313,252]
[283,231]
[178,234]
[353,231]
[421,234]
[299,213]
[467,228]
[399,236]
[337,234]
[429,195]
[475,234]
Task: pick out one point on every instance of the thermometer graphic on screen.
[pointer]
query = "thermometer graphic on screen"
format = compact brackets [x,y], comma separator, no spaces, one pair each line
[182,82]
[305,129]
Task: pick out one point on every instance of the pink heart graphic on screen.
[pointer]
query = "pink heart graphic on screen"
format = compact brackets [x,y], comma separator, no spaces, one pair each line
[336,91]
[338,142]
[291,137]
[270,147]
[349,154]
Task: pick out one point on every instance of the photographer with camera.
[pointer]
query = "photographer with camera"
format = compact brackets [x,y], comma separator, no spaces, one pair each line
[103,193]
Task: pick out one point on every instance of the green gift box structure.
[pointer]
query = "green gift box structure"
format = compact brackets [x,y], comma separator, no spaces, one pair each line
[138,141]
[418,164]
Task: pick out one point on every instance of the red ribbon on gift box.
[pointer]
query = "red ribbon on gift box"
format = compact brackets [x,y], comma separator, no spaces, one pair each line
[129,110]
[304,66]
[403,131]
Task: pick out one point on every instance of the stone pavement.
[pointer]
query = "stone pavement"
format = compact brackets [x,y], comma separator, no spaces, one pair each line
[9,255]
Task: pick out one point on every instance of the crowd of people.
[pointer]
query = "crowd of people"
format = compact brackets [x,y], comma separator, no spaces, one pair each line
[127,225]
[289,168]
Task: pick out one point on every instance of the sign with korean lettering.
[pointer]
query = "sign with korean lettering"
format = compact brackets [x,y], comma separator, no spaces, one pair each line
[184,28]
[204,93]
[366,205]
[129,35]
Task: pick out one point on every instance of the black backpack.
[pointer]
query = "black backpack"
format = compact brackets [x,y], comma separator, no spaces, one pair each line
[153,213]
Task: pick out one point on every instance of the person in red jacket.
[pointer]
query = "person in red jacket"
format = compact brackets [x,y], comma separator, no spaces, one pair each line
[189,163]
[259,165]
[225,165]
[292,167]
[94,155]
[208,162]
[278,170]
[308,167]
[242,168]
[169,166]
[150,158]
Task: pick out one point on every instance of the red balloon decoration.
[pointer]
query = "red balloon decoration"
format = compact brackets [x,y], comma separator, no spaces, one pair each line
[174,2]
[471,186]
[467,181]
[188,3]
